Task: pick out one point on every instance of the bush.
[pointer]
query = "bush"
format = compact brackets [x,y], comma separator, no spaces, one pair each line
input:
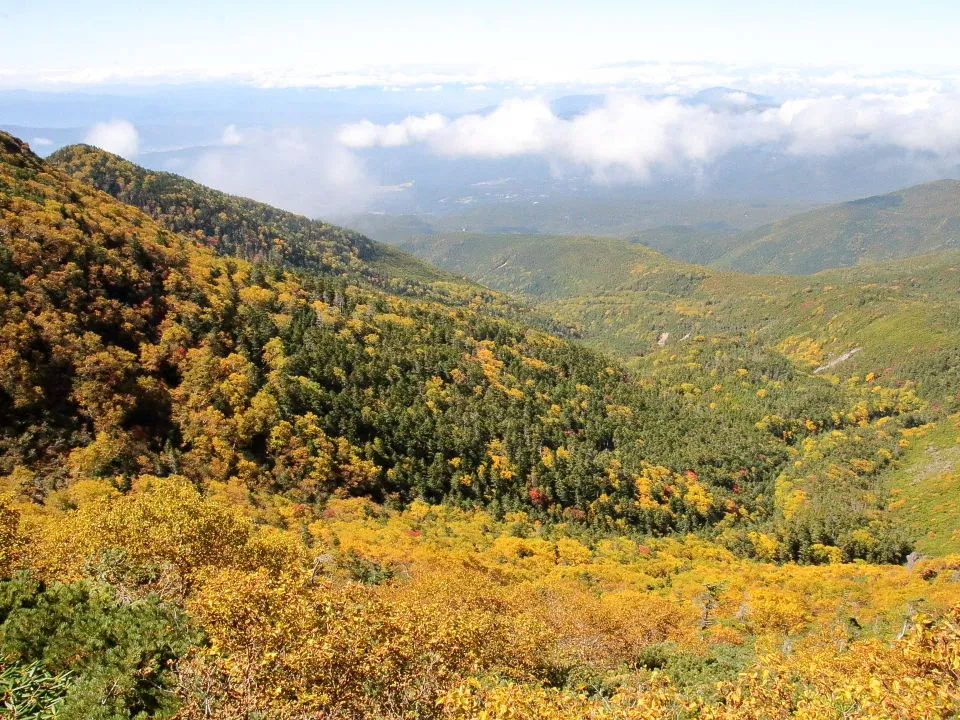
[119,653]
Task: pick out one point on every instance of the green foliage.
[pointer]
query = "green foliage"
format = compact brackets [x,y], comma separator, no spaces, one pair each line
[82,652]
[542,266]
[914,221]
[690,244]
[29,692]
[699,671]
[924,489]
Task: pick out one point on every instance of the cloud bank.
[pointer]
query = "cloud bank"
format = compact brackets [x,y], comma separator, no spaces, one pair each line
[645,77]
[117,136]
[630,136]
[302,170]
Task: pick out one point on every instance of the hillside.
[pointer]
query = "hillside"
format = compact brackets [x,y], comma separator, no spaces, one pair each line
[915,221]
[194,363]
[890,324]
[430,400]
[536,265]
[626,298]
[257,232]
[133,348]
[690,244]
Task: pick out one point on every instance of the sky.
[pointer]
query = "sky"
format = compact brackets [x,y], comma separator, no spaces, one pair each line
[319,105]
[288,41]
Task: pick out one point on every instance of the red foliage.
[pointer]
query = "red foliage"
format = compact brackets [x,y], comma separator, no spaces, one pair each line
[537,497]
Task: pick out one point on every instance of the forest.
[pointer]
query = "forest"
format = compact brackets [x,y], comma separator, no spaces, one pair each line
[258,466]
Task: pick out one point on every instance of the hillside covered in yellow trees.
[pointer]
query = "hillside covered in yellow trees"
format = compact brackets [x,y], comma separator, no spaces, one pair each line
[256,466]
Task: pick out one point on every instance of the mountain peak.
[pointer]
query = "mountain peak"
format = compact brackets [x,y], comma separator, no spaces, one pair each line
[17,153]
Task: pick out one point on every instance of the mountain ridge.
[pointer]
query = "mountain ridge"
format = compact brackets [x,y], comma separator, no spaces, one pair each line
[282,237]
[916,220]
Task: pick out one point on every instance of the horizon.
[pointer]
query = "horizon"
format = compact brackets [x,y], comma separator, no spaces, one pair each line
[51,41]
[421,108]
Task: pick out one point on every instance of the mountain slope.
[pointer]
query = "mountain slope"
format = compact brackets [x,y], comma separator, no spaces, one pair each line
[542,266]
[287,492]
[133,349]
[251,230]
[697,329]
[914,221]
[130,347]
[306,385]
[689,244]
[628,298]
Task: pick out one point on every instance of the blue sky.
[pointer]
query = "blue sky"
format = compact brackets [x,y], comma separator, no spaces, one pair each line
[194,39]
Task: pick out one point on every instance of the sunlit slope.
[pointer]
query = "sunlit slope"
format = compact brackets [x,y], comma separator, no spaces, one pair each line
[925,488]
[690,244]
[170,358]
[543,266]
[231,489]
[633,300]
[893,323]
[129,348]
[915,221]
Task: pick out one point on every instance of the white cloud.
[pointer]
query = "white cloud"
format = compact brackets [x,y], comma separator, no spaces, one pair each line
[917,122]
[231,136]
[300,170]
[116,136]
[516,127]
[627,136]
[365,134]
[630,136]
[38,142]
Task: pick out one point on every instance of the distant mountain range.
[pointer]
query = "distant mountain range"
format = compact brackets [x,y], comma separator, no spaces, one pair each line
[914,221]
[917,220]
[632,300]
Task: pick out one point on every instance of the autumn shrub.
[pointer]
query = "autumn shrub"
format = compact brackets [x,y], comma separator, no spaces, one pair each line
[12,540]
[353,650]
[916,677]
[157,537]
[611,629]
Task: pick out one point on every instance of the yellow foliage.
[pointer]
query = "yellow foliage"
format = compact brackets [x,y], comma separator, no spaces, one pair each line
[165,531]
[11,539]
[764,546]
